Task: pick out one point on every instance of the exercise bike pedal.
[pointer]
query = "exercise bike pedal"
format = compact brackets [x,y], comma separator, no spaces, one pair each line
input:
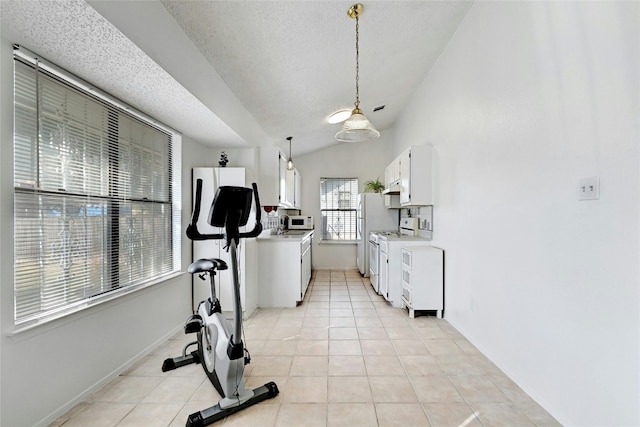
[194,324]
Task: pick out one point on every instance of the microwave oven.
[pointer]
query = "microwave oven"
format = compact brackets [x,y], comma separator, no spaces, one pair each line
[300,222]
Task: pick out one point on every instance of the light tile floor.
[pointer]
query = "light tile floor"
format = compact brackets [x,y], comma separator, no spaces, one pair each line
[343,357]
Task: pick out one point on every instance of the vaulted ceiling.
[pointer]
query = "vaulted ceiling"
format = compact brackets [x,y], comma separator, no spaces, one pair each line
[242,73]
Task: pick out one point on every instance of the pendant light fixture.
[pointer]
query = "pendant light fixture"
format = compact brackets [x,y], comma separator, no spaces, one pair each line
[290,161]
[357,127]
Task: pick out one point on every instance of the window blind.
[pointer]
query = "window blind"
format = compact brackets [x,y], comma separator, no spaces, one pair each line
[96,196]
[338,208]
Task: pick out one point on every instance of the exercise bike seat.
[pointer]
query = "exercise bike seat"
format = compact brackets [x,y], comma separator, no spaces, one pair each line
[207,264]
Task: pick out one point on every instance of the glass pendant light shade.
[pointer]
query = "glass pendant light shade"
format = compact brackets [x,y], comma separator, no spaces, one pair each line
[357,128]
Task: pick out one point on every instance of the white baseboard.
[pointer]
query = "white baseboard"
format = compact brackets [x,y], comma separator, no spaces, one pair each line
[104,381]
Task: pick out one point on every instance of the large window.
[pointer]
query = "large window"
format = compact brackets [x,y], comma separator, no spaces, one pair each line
[338,207]
[96,195]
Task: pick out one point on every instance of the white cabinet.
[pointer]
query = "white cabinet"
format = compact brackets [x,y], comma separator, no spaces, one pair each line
[405,178]
[392,185]
[293,189]
[283,179]
[383,278]
[416,187]
[212,178]
[284,270]
[297,193]
[290,188]
[390,286]
[277,184]
[305,261]
[392,176]
[408,179]
[423,279]
[273,177]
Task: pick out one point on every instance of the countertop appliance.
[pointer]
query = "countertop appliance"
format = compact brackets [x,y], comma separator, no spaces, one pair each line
[300,222]
[371,215]
[409,226]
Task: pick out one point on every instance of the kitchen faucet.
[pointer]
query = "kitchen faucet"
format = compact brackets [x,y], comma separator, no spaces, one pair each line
[283,225]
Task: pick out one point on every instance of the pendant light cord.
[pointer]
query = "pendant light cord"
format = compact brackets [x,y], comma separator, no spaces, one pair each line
[357,103]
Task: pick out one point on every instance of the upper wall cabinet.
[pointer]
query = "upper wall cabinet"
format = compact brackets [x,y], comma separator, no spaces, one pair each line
[392,177]
[290,187]
[297,193]
[392,185]
[283,180]
[277,184]
[416,180]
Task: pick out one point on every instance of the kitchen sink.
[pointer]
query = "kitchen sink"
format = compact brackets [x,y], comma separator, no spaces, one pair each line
[295,232]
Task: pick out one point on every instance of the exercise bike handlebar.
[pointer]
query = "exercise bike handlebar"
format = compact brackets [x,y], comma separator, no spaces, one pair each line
[192,229]
[257,228]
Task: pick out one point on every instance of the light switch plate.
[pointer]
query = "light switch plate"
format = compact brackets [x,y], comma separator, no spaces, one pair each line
[589,188]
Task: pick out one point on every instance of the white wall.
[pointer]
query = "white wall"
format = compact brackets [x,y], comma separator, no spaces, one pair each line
[528,98]
[45,371]
[363,160]
[239,157]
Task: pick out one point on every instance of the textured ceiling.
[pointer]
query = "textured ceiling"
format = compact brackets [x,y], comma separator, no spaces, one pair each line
[72,35]
[237,73]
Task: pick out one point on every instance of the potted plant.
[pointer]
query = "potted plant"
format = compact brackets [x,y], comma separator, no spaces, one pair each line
[372,186]
[223,159]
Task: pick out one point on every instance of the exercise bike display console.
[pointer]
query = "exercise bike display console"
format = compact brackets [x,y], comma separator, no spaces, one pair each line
[221,351]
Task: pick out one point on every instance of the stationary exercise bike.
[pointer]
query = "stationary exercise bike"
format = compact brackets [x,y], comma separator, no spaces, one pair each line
[220,350]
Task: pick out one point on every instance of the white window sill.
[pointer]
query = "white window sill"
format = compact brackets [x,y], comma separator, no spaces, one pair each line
[66,313]
[338,242]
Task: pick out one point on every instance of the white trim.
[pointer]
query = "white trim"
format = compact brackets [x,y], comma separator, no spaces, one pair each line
[337,242]
[82,396]
[86,304]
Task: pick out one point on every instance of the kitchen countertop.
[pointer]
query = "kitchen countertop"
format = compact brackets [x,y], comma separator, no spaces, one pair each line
[291,236]
[406,238]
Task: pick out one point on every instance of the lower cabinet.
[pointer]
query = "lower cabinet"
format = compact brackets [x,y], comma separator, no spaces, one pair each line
[423,279]
[383,272]
[305,266]
[284,271]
